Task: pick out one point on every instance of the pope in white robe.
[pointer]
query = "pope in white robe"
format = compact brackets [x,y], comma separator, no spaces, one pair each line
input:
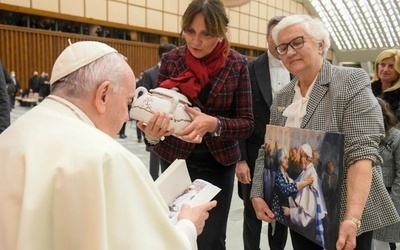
[66,185]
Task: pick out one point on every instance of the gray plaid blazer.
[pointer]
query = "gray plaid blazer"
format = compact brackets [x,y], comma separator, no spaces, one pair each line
[390,152]
[342,101]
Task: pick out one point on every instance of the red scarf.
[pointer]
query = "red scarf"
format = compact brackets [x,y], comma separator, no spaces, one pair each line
[199,71]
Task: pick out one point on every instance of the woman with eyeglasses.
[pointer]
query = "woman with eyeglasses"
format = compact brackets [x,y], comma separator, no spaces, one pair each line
[216,79]
[337,99]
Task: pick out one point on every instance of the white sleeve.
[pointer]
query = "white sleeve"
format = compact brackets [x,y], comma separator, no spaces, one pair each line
[187,228]
[299,217]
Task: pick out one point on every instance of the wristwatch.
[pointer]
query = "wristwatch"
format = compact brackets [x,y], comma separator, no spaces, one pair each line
[217,131]
[355,220]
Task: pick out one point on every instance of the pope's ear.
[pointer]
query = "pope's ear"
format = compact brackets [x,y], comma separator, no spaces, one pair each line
[321,46]
[102,95]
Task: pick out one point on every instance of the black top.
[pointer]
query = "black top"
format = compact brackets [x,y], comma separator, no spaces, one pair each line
[392,97]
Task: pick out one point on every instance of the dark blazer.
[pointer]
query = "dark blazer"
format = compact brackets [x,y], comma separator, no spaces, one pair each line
[262,101]
[4,101]
[342,101]
[17,85]
[229,99]
[149,78]
[392,97]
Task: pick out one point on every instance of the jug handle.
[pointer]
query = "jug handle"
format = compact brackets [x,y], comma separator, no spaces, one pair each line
[139,90]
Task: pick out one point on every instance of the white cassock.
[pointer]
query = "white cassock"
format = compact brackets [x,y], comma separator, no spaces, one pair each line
[66,185]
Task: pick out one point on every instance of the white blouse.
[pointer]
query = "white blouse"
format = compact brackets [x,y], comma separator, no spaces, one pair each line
[297,110]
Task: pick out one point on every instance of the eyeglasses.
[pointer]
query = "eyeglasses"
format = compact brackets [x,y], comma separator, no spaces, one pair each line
[296,44]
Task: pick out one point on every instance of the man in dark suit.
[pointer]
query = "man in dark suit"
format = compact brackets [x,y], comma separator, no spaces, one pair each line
[267,75]
[34,82]
[4,98]
[149,81]
[17,85]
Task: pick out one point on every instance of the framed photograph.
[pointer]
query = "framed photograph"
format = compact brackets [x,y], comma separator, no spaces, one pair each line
[303,179]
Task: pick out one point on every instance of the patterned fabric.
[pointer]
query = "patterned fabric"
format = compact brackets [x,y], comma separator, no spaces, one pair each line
[198,72]
[319,230]
[342,101]
[284,188]
[229,100]
[390,152]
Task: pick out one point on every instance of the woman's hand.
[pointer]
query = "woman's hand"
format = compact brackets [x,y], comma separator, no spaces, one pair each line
[201,124]
[307,181]
[347,235]
[263,212]
[243,172]
[157,127]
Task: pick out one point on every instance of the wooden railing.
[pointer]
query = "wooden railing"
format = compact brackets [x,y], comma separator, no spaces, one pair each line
[25,50]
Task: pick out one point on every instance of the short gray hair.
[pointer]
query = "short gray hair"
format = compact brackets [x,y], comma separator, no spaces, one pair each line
[279,156]
[81,82]
[312,26]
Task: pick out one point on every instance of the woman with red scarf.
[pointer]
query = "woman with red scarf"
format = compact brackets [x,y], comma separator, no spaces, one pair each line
[215,78]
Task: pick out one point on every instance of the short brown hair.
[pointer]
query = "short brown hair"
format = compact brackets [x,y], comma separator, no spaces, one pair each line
[214,13]
[389,119]
[273,21]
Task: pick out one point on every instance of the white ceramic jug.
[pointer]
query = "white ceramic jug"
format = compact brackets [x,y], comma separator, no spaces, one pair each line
[169,101]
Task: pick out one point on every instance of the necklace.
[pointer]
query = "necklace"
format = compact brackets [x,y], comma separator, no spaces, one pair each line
[66,105]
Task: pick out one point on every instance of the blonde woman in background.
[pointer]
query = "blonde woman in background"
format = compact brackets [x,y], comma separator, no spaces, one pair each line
[386,80]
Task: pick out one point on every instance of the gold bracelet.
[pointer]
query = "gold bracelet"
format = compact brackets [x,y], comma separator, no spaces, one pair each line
[351,218]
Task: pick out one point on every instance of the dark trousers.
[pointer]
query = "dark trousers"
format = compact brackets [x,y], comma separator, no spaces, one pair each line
[202,165]
[138,133]
[363,242]
[12,101]
[277,240]
[154,164]
[300,242]
[122,131]
[252,225]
